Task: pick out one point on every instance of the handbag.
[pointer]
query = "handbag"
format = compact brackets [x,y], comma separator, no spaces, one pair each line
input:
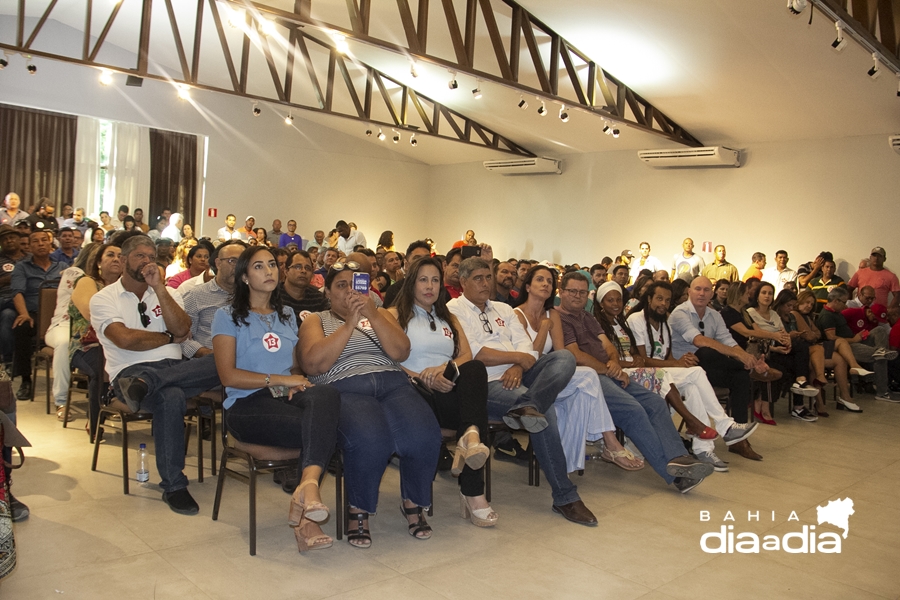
[7,398]
[7,535]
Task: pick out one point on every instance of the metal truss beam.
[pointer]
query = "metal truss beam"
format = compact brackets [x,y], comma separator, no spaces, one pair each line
[443,122]
[601,94]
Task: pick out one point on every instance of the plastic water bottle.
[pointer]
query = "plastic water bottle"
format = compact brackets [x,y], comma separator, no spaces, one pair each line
[143,475]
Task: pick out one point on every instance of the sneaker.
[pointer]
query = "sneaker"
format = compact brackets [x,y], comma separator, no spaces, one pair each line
[847,405]
[802,413]
[686,484]
[688,467]
[884,354]
[181,501]
[511,451]
[18,509]
[134,391]
[887,397]
[739,432]
[287,479]
[25,391]
[804,389]
[719,465]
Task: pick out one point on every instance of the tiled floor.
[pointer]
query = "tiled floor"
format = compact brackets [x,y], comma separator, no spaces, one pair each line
[85,539]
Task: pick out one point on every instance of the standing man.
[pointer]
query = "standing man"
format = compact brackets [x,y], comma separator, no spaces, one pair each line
[139,220]
[67,250]
[757,264]
[721,269]
[348,240]
[247,230]
[687,265]
[274,234]
[882,280]
[291,236]
[700,330]
[779,274]
[645,261]
[521,387]
[140,326]
[229,232]
[10,213]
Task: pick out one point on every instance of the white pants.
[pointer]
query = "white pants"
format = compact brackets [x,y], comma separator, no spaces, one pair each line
[581,414]
[700,399]
[57,337]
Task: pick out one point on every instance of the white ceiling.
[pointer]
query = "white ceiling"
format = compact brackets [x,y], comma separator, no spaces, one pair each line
[731,73]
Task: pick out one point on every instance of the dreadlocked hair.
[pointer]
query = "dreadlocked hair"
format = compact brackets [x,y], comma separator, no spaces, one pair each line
[643,307]
[607,325]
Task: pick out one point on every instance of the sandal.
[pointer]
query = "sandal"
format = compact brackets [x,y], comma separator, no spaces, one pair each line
[61,415]
[361,534]
[473,456]
[421,526]
[315,512]
[615,457]
[316,541]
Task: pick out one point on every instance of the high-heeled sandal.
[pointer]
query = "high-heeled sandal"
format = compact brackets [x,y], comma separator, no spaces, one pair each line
[315,511]
[361,534]
[421,526]
[317,541]
[473,456]
[480,517]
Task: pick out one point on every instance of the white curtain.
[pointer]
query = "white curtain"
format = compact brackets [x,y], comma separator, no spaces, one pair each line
[86,194]
[128,180]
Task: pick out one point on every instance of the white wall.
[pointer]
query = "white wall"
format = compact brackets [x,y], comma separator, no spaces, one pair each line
[803,196]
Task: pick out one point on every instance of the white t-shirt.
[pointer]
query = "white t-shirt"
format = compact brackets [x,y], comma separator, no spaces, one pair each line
[778,278]
[660,337]
[652,263]
[687,268]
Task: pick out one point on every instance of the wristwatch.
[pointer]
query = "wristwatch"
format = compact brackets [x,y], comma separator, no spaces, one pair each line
[171,337]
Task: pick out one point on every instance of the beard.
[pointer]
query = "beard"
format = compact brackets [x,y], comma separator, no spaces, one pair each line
[135,274]
[660,315]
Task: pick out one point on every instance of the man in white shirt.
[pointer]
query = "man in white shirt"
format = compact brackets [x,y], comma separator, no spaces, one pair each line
[521,387]
[779,274]
[645,261]
[140,326]
[229,232]
[687,265]
[348,239]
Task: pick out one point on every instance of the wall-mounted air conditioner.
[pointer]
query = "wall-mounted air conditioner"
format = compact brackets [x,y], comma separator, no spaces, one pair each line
[524,166]
[714,156]
[894,141]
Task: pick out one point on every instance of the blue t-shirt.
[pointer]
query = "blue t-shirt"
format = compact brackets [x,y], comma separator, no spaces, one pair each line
[287,238]
[259,347]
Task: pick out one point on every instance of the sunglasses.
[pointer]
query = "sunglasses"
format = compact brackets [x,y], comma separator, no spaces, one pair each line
[431,322]
[485,324]
[701,328]
[350,266]
[145,318]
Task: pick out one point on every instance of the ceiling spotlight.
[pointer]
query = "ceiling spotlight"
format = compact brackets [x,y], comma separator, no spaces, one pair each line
[32,68]
[898,86]
[796,6]
[236,17]
[184,92]
[289,120]
[615,132]
[522,104]
[368,133]
[452,84]
[874,72]
[476,93]
[256,109]
[839,42]
[267,27]
[413,141]
[563,115]
[3,63]
[412,68]
[607,129]
[340,43]
[542,110]
[105,77]
[380,135]
[396,138]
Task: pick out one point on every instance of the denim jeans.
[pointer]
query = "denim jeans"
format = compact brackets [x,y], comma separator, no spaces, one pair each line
[381,415]
[309,420]
[541,384]
[23,337]
[864,352]
[645,418]
[91,363]
[8,314]
[170,383]
[466,405]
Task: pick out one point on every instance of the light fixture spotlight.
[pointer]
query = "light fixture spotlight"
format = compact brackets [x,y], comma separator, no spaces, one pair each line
[396,138]
[184,92]
[105,77]
[267,27]
[874,72]
[3,63]
[256,109]
[452,84]
[476,93]
[563,115]
[340,43]
[522,104]
[607,129]
[413,141]
[289,120]
[32,68]
[898,86]
[542,110]
[368,133]
[380,135]
[236,17]
[796,6]
[615,132]
[412,68]
[839,42]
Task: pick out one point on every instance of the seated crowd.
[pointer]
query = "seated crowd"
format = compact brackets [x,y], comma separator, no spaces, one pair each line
[328,344]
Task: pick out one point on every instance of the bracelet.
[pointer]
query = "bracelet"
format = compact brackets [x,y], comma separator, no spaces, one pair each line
[267,380]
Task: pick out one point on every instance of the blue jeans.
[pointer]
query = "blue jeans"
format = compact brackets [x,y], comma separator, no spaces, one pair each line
[170,383]
[645,418]
[381,415]
[541,384]
[8,314]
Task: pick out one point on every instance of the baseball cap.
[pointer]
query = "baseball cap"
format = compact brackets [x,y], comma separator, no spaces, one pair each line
[7,229]
[627,253]
[250,217]
[880,312]
[879,250]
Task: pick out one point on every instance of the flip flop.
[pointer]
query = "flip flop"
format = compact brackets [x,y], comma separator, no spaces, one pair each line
[615,457]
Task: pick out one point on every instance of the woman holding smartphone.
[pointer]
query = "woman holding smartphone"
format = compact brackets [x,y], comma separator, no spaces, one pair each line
[269,401]
[441,359]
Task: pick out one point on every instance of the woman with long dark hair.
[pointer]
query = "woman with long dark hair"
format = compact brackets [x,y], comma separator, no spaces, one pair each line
[581,411]
[268,400]
[386,241]
[356,348]
[460,403]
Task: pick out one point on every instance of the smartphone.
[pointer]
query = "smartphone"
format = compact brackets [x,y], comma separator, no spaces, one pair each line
[470,251]
[361,282]
[451,373]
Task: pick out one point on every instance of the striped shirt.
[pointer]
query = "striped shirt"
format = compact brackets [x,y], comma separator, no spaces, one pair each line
[362,355]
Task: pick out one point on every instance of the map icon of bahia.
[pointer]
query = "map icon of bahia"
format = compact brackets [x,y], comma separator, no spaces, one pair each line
[837,513]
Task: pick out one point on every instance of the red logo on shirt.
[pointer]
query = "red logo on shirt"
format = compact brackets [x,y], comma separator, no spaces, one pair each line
[364,324]
[271,342]
[500,322]
[157,311]
[448,333]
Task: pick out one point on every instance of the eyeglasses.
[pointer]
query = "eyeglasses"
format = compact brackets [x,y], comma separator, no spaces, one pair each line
[230,261]
[576,293]
[701,328]
[431,322]
[485,324]
[299,268]
[145,318]
[350,266]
